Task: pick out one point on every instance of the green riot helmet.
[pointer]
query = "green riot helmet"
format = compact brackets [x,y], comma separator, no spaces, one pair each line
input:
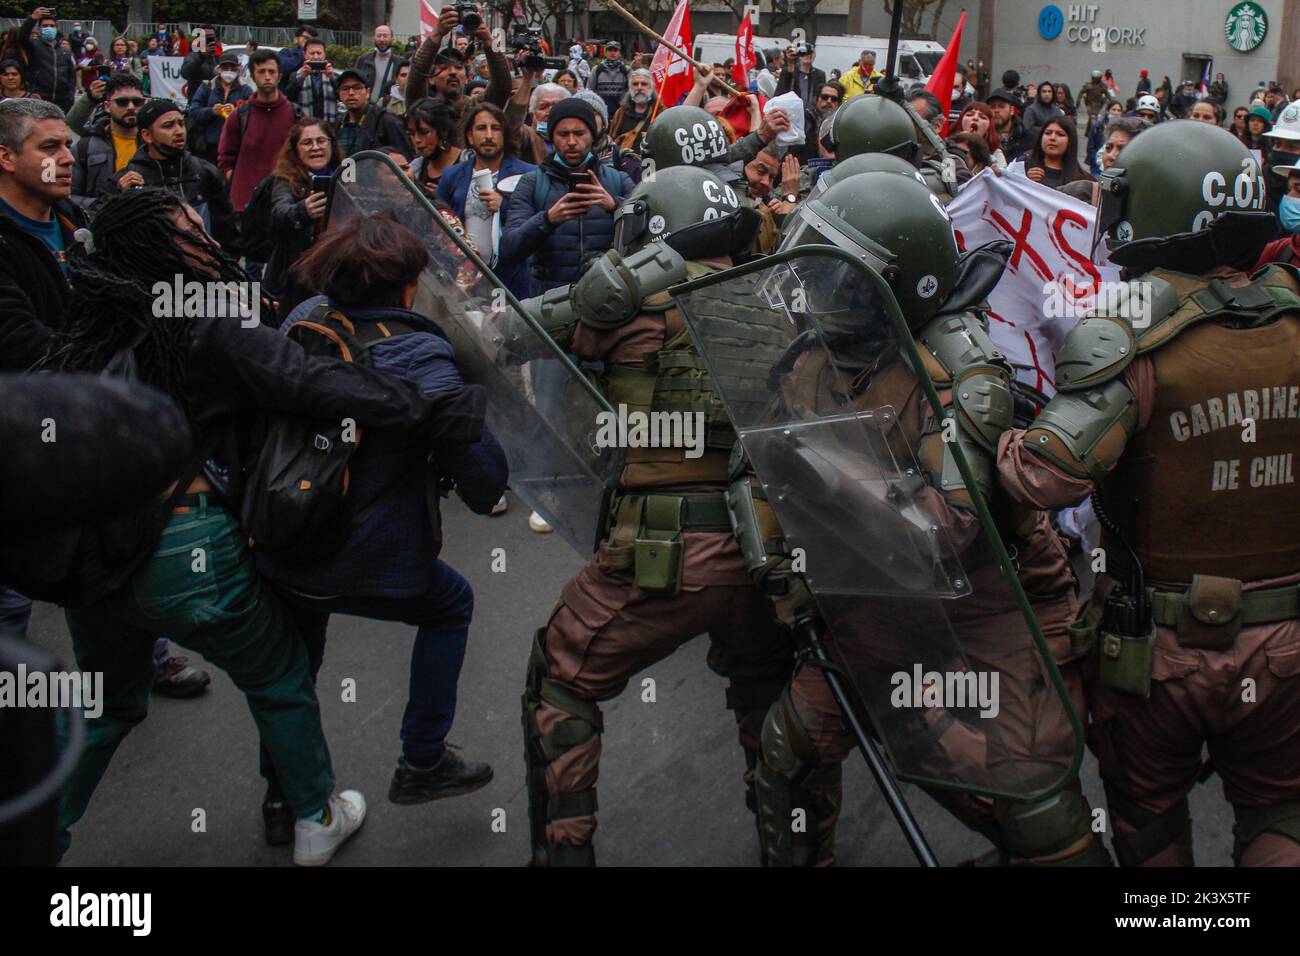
[864,163]
[686,136]
[1184,195]
[689,209]
[873,124]
[895,225]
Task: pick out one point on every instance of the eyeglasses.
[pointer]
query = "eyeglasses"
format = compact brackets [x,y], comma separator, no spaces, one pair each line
[128,101]
[352,88]
[828,96]
[318,141]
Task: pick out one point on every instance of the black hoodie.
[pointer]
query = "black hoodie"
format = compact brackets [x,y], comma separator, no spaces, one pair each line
[196,180]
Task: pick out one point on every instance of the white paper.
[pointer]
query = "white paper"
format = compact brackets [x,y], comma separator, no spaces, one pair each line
[792,106]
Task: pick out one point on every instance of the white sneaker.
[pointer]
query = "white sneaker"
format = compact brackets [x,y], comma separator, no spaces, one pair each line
[538,524]
[315,843]
[500,507]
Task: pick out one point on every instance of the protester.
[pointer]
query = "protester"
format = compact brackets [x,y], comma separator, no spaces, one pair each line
[562,213]
[1149,108]
[861,77]
[1287,249]
[255,132]
[1097,132]
[382,62]
[13,81]
[388,568]
[1281,152]
[395,102]
[88,63]
[51,70]
[442,74]
[314,87]
[291,58]
[1258,122]
[1119,134]
[1183,100]
[973,149]
[431,127]
[108,143]
[213,102]
[631,121]
[1238,127]
[120,59]
[220,371]
[1054,160]
[1065,102]
[544,97]
[798,75]
[578,66]
[609,80]
[567,79]
[483,211]
[1041,110]
[978,119]
[1204,111]
[364,126]
[1143,83]
[1217,91]
[1012,135]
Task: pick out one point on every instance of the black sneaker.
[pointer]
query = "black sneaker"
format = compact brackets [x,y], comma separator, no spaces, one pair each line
[279,819]
[174,677]
[452,777]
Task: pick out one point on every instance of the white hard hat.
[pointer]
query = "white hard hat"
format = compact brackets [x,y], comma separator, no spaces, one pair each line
[1147,102]
[1288,123]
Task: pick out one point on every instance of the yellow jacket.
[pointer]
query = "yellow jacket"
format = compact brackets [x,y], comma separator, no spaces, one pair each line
[854,84]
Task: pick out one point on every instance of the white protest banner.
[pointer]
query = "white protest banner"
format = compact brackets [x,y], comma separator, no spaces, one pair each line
[165,77]
[1050,282]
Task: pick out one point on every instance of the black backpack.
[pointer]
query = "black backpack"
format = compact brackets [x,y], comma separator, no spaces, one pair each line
[296,495]
[255,238]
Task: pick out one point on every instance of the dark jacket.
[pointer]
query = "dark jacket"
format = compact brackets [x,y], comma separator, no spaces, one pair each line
[1036,116]
[609,81]
[787,84]
[453,188]
[96,162]
[294,232]
[197,180]
[392,553]
[367,61]
[207,96]
[560,253]
[33,290]
[51,71]
[379,129]
[1019,141]
[291,60]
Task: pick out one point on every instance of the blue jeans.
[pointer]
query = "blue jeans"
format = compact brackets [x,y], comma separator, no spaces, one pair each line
[441,617]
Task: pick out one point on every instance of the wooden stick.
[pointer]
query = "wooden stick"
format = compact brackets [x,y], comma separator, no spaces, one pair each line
[617,8]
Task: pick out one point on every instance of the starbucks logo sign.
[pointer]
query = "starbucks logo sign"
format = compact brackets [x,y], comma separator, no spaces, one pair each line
[1245,26]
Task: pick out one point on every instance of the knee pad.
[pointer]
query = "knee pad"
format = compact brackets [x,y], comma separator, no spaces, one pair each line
[1155,831]
[581,723]
[1253,822]
[788,780]
[1056,831]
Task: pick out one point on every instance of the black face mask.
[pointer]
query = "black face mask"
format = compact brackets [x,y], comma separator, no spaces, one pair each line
[169,152]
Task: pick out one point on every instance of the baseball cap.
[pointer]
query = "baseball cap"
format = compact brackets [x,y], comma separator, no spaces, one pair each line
[1007,96]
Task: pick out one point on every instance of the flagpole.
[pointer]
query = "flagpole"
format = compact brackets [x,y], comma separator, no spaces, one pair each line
[726,87]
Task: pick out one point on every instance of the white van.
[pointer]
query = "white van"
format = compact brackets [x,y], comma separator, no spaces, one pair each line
[916,58]
[721,47]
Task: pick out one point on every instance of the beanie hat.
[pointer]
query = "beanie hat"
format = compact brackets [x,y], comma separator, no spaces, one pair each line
[597,104]
[571,107]
[153,110]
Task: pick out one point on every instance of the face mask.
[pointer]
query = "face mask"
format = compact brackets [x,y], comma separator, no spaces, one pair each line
[397,90]
[228,76]
[168,152]
[1288,213]
[541,129]
[48,34]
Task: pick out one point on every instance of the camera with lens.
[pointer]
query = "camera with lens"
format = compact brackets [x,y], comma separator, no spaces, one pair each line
[534,59]
[470,18]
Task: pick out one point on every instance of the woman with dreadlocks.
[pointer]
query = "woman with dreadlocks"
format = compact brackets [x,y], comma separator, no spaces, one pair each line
[199,586]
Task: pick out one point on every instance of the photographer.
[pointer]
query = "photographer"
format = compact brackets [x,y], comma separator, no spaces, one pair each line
[562,213]
[446,71]
[314,86]
[800,76]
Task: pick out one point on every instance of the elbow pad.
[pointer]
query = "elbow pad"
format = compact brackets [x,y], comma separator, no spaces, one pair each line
[1084,433]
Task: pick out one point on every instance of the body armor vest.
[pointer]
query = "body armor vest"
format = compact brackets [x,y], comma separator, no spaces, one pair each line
[676,380]
[1195,493]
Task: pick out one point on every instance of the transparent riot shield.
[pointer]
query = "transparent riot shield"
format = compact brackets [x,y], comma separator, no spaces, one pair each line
[541,408]
[919,601]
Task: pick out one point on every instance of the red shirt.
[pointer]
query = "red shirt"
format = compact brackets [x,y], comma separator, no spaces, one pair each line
[1276,251]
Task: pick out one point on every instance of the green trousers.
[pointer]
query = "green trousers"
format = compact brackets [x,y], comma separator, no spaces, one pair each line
[200,590]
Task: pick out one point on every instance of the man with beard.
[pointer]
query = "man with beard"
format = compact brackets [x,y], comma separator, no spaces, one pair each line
[106,144]
[162,161]
[484,210]
[1014,137]
[382,61]
[631,120]
[445,70]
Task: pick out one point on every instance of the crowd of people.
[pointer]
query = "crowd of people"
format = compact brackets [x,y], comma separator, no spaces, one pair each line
[543,172]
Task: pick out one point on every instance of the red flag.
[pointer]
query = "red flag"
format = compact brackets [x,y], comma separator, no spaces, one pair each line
[428,18]
[672,74]
[941,80]
[744,55]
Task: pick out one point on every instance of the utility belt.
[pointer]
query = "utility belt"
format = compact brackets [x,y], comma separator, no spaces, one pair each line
[645,534]
[1208,616]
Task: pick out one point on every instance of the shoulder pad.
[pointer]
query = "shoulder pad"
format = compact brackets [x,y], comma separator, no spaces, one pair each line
[952,343]
[614,289]
[1272,291]
[1096,350]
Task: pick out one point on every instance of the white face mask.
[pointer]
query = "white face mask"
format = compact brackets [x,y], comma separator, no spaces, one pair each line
[229,76]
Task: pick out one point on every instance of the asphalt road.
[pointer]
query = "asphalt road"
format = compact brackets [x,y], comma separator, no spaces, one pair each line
[670,788]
